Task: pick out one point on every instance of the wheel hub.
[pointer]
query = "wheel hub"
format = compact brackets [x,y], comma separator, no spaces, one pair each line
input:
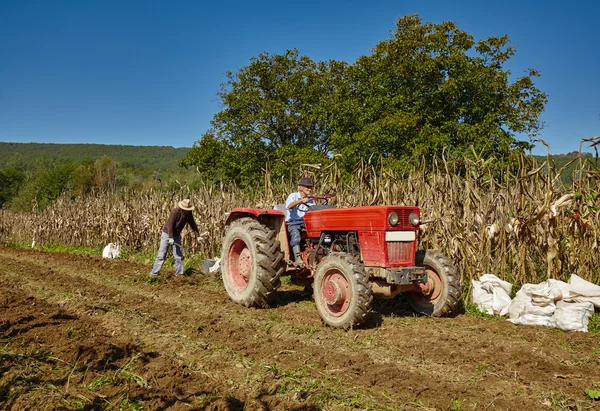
[433,287]
[332,292]
[245,263]
[239,265]
[335,293]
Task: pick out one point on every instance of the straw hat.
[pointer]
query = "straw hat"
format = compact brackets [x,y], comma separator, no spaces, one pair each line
[185,204]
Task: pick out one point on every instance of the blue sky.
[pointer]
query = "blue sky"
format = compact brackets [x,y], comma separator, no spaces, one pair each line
[147,72]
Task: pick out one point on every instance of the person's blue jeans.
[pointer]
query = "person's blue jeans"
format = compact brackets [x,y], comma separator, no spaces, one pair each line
[294,228]
[162,254]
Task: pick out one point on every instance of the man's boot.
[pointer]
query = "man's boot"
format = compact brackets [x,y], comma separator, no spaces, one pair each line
[297,258]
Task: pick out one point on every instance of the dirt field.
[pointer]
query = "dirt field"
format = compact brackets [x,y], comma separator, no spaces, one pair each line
[80,332]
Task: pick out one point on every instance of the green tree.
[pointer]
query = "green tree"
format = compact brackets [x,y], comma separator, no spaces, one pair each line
[11,179]
[275,106]
[44,185]
[105,174]
[429,89]
[83,177]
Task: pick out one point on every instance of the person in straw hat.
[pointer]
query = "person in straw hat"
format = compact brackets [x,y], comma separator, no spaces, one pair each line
[297,204]
[171,236]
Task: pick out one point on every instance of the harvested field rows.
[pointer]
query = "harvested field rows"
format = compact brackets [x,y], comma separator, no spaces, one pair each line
[81,332]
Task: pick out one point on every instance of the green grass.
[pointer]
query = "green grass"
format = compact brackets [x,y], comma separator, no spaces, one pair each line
[594,324]
[71,249]
[472,310]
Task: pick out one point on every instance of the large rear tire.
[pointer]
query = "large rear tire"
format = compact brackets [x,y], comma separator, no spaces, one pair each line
[252,263]
[440,296]
[341,291]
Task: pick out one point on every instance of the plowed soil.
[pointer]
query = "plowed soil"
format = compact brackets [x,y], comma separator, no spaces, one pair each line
[82,332]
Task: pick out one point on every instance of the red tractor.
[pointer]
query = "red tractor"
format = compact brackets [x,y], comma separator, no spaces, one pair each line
[350,256]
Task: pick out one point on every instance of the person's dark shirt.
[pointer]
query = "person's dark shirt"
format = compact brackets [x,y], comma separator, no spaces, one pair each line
[177,221]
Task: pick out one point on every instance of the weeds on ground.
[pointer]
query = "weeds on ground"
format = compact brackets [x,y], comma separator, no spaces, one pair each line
[594,324]
[557,401]
[151,280]
[474,311]
[71,249]
[592,394]
[456,405]
[123,374]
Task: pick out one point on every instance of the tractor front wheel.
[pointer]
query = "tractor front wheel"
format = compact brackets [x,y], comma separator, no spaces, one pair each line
[341,291]
[440,296]
[252,263]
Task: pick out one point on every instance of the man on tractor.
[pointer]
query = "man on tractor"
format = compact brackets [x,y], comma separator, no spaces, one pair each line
[297,204]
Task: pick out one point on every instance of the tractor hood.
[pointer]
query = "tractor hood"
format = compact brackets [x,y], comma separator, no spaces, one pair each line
[362,219]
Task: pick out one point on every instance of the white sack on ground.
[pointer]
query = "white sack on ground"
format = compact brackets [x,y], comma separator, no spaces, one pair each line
[216,267]
[556,304]
[491,294]
[548,292]
[583,291]
[524,311]
[572,316]
[111,251]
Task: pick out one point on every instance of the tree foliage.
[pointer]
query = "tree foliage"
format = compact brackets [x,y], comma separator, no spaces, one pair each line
[143,160]
[430,89]
[274,108]
[11,179]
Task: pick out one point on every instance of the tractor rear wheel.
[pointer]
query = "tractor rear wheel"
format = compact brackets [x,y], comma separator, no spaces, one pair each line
[440,296]
[252,262]
[341,291]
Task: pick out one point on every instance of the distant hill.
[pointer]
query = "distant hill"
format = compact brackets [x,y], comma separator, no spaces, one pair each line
[569,162]
[161,158]
[154,158]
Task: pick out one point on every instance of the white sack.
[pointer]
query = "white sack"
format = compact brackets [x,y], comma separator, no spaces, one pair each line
[548,292]
[523,310]
[583,291]
[491,294]
[572,316]
[556,304]
[111,251]
[216,267]
[532,319]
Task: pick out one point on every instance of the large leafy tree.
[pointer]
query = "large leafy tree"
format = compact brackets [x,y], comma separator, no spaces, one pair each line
[431,88]
[428,89]
[276,112]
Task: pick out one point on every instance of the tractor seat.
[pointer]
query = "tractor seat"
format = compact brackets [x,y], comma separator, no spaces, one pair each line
[282,208]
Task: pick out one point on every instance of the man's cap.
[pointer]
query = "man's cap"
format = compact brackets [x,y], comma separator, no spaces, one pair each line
[306,182]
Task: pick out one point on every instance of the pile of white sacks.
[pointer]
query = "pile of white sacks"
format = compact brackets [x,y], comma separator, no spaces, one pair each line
[553,303]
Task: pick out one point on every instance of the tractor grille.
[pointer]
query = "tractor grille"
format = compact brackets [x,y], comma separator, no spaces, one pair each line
[403,220]
[400,251]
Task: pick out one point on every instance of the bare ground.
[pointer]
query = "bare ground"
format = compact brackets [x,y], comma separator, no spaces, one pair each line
[81,332]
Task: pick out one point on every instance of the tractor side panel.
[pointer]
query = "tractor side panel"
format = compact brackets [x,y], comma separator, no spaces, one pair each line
[372,247]
[381,244]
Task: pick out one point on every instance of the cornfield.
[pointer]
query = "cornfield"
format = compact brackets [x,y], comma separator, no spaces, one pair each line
[523,226]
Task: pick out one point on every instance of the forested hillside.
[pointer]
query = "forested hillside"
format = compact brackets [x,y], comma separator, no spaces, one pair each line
[154,158]
[569,163]
[33,175]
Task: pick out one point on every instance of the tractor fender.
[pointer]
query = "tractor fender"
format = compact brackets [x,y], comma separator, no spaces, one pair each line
[274,219]
[255,213]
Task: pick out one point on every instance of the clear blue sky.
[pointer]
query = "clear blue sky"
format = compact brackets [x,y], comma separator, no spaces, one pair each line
[147,72]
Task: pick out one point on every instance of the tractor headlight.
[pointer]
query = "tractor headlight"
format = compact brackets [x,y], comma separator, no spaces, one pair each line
[393,218]
[413,218]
